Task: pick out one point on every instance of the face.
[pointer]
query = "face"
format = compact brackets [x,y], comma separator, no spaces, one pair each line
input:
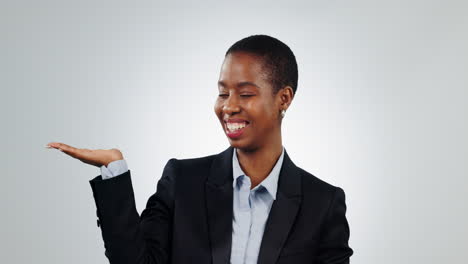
[248,111]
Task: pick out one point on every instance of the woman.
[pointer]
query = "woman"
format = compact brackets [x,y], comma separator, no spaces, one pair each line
[247,204]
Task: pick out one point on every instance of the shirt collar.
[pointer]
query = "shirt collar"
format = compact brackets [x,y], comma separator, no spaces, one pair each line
[270,183]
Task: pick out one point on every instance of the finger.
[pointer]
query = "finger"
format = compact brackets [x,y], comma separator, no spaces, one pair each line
[76,153]
[56,145]
[67,149]
[51,145]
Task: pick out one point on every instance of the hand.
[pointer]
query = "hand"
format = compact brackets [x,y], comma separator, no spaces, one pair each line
[97,157]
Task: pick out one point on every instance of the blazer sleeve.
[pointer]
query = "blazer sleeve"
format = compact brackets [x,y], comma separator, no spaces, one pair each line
[334,248]
[128,237]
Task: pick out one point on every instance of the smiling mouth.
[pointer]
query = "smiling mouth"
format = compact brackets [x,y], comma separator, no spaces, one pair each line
[233,127]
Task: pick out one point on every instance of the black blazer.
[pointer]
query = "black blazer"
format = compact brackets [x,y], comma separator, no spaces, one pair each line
[189,218]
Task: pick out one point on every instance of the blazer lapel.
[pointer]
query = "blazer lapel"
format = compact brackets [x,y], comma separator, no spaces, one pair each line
[283,212]
[219,206]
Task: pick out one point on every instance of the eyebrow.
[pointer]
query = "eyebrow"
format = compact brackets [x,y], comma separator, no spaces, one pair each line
[239,84]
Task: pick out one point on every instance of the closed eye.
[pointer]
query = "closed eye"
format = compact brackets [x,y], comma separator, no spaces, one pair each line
[247,95]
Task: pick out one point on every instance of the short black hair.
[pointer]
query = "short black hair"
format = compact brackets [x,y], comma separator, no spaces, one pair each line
[278,59]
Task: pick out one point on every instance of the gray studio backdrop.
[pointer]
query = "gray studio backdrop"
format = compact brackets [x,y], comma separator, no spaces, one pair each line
[380,111]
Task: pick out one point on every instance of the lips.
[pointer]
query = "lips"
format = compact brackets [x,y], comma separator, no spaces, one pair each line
[235,127]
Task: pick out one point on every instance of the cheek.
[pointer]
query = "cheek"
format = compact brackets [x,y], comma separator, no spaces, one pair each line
[218,107]
[265,111]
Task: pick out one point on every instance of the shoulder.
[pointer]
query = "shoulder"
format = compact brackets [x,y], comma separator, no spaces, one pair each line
[187,176]
[189,170]
[309,178]
[191,164]
[317,188]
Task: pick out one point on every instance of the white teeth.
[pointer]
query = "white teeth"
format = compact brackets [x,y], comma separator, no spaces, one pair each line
[235,126]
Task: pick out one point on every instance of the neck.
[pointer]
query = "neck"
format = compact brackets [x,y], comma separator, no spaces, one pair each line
[258,164]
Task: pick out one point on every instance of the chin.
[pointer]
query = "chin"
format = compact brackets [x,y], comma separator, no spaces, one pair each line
[235,144]
[239,144]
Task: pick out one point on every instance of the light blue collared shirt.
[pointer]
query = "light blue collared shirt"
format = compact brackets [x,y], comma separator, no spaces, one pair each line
[251,210]
[250,207]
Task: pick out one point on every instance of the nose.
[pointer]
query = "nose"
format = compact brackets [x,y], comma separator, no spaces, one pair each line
[231,105]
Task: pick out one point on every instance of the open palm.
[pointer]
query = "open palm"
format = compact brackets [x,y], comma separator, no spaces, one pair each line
[95,157]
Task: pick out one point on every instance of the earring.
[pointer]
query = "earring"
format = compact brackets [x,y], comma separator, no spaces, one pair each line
[283,113]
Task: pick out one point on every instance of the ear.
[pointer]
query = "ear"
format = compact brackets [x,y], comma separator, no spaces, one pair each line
[285,97]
